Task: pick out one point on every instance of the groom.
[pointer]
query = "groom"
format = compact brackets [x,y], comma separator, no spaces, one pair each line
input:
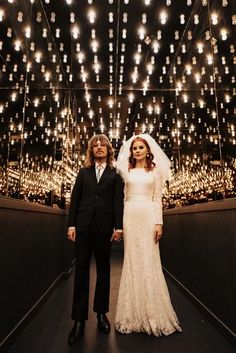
[95,219]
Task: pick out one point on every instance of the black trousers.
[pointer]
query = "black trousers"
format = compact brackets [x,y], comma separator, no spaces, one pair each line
[91,242]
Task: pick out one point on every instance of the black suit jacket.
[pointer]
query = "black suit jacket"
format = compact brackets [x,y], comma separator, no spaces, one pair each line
[97,202]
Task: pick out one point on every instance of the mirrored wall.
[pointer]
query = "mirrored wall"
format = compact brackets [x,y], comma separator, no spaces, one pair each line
[72,68]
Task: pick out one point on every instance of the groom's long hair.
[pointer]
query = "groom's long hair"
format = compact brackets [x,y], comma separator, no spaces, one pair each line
[149,158]
[89,161]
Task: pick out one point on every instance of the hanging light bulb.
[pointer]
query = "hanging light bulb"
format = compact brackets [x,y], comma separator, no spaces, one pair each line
[91,15]
[223,33]
[1,14]
[17,45]
[75,31]
[163,17]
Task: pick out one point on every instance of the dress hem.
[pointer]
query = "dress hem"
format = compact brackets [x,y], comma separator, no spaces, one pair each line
[124,329]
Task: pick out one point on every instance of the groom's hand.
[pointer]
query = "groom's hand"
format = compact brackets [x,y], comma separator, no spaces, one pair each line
[117,235]
[158,232]
[71,234]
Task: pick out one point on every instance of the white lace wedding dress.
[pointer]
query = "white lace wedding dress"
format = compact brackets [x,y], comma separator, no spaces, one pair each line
[143,302]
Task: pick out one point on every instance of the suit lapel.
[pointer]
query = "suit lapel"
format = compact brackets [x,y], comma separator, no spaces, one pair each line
[92,174]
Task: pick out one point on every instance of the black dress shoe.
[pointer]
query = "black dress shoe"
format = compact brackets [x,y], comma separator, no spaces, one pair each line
[103,323]
[76,333]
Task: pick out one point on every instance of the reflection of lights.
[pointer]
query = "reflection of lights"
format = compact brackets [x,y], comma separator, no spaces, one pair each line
[163,17]
[155,46]
[1,14]
[201,103]
[150,68]
[97,67]
[91,15]
[131,97]
[197,77]
[137,58]
[227,98]
[94,45]
[150,109]
[110,103]
[17,45]
[36,102]
[213,114]
[223,33]
[80,57]
[38,56]
[47,76]
[214,18]
[13,97]
[75,31]
[200,47]
[209,59]
[142,32]
[91,114]
[27,32]
[185,98]
[188,69]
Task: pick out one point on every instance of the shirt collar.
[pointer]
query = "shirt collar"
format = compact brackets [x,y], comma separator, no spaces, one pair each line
[104,164]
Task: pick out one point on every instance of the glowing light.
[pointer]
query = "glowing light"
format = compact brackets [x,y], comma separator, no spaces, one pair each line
[110,103]
[214,18]
[17,45]
[200,47]
[223,33]
[131,97]
[81,57]
[97,67]
[137,58]
[94,45]
[1,14]
[91,15]
[75,31]
[142,32]
[27,32]
[38,56]
[197,77]
[188,69]
[155,46]
[209,59]
[163,17]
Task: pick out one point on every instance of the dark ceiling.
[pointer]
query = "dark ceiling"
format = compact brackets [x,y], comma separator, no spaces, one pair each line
[72,68]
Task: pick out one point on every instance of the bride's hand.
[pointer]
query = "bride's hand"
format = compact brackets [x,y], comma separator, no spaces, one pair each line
[158,232]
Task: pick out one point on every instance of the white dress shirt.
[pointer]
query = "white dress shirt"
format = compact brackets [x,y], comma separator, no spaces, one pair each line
[102,166]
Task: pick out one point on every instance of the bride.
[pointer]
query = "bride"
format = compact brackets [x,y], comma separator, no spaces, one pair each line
[143,301]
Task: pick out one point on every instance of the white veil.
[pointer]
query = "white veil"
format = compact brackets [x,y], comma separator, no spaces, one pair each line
[161,160]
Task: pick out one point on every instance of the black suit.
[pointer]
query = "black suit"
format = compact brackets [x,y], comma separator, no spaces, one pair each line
[95,210]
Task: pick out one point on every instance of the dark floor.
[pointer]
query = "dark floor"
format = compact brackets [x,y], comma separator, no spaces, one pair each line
[48,332]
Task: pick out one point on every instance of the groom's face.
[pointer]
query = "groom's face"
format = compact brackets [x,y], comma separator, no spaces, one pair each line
[99,150]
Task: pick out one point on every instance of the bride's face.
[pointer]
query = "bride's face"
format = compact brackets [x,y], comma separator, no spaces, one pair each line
[139,150]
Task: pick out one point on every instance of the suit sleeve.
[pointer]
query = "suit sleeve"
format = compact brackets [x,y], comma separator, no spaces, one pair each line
[119,202]
[75,200]
[157,197]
